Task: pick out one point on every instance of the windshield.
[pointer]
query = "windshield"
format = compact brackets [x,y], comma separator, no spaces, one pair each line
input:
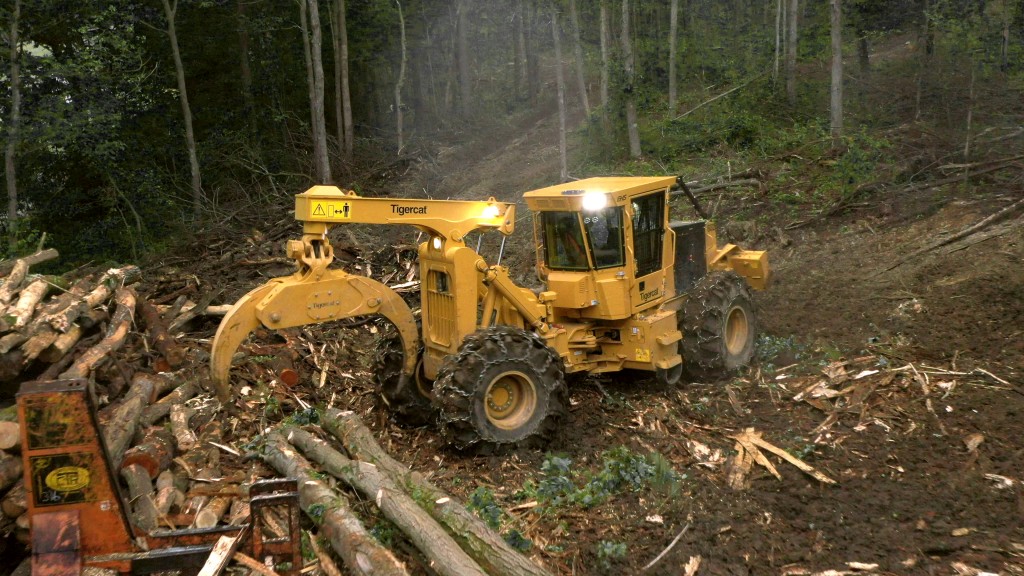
[563,241]
[604,231]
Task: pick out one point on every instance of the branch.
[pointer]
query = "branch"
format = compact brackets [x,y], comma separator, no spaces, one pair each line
[726,93]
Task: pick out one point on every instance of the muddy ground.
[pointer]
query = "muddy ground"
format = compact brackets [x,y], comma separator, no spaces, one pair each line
[893,368]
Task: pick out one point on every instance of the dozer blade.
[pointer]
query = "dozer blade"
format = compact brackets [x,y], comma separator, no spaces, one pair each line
[299,300]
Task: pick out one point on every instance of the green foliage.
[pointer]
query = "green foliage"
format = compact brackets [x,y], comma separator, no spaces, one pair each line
[316,513]
[608,551]
[482,502]
[304,417]
[385,532]
[517,541]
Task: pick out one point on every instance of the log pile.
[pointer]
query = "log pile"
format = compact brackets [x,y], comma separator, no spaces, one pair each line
[185,461]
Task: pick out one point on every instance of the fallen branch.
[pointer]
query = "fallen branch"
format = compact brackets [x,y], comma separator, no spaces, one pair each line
[120,325]
[665,551]
[31,260]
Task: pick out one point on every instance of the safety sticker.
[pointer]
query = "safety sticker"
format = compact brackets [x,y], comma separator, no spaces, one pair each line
[331,210]
[643,355]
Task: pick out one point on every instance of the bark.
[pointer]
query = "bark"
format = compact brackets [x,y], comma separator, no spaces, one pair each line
[12,129]
[780,23]
[158,336]
[673,42]
[62,345]
[10,470]
[120,325]
[120,428]
[25,307]
[462,45]
[577,48]
[560,83]
[479,541]
[162,407]
[153,454]
[793,8]
[864,54]
[170,8]
[10,436]
[12,283]
[184,437]
[141,497]
[605,56]
[37,257]
[519,49]
[836,103]
[323,164]
[113,278]
[401,81]
[442,552]
[211,514]
[360,552]
[62,359]
[15,502]
[627,57]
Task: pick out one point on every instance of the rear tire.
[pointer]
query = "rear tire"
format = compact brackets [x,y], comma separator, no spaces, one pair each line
[408,404]
[719,326]
[506,386]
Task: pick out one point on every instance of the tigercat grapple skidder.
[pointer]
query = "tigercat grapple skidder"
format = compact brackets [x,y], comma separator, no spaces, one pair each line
[625,288]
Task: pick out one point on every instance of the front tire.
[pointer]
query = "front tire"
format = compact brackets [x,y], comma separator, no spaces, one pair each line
[506,386]
[719,326]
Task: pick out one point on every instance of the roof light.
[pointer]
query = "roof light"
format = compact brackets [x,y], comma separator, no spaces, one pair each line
[436,242]
[594,201]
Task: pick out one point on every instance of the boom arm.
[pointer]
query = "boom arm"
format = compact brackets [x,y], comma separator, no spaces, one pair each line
[315,293]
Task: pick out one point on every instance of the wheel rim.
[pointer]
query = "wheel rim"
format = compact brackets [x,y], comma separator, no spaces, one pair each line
[510,400]
[423,384]
[737,329]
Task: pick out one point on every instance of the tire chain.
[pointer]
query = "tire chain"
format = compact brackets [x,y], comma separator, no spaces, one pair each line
[705,304]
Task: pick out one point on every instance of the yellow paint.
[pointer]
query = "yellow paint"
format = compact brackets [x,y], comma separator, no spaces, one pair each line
[643,355]
[68,479]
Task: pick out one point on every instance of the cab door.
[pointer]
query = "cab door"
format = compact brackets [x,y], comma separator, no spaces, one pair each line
[652,247]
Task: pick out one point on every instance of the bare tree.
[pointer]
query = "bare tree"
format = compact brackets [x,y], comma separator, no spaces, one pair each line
[560,82]
[606,41]
[673,41]
[12,131]
[400,81]
[837,74]
[519,49]
[791,44]
[342,96]
[243,53]
[462,45]
[170,9]
[627,58]
[577,48]
[779,24]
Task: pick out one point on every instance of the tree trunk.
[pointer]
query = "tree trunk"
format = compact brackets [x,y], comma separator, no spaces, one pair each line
[170,9]
[12,130]
[836,92]
[560,83]
[532,59]
[479,541]
[162,407]
[38,257]
[577,48]
[362,554]
[780,23]
[443,553]
[346,131]
[606,40]
[462,45]
[627,57]
[791,45]
[519,49]
[401,80]
[673,41]
[243,54]
[173,354]
[864,54]
[309,12]
[29,297]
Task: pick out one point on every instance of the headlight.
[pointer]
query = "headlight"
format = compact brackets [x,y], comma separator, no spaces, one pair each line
[594,201]
[492,211]
[436,243]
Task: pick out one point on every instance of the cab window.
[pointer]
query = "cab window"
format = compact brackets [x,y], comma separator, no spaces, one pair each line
[648,232]
[564,248]
[604,232]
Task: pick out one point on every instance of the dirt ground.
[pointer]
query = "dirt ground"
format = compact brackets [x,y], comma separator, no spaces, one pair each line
[889,365]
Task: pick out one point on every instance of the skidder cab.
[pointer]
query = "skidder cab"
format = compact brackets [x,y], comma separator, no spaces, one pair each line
[624,288]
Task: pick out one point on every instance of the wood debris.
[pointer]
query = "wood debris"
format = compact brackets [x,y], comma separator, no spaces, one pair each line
[749,444]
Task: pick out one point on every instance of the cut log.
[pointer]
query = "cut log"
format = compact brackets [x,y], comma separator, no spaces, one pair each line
[166,498]
[211,514]
[153,454]
[62,359]
[11,365]
[120,325]
[120,428]
[162,341]
[10,436]
[360,552]
[12,340]
[184,318]
[443,553]
[29,297]
[221,555]
[184,437]
[140,492]
[31,260]
[86,308]
[12,283]
[479,541]
[15,502]
[10,470]
[162,407]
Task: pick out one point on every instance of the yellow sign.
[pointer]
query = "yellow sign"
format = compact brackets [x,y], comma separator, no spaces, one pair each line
[338,210]
[68,479]
[643,355]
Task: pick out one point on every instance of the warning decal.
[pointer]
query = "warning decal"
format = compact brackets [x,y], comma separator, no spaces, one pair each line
[331,210]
